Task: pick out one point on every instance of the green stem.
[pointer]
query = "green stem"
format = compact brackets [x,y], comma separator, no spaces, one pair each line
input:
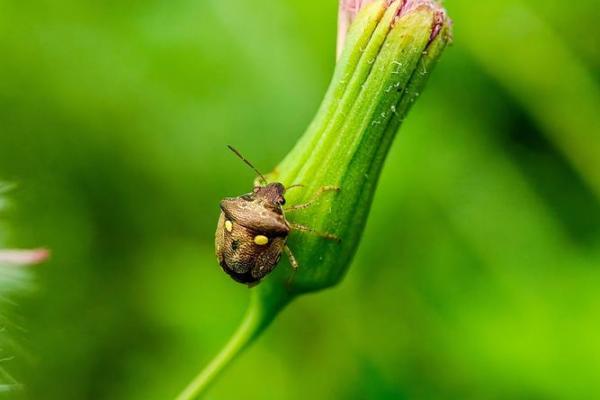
[261,312]
[240,340]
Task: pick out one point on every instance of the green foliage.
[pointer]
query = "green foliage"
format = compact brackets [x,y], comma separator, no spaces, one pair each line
[476,276]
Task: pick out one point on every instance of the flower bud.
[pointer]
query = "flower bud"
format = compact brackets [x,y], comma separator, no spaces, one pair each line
[389,52]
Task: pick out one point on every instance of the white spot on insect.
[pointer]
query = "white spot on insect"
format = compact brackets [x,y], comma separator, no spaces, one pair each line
[228,226]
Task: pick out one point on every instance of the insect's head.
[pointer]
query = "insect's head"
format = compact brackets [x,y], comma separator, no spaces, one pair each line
[272,193]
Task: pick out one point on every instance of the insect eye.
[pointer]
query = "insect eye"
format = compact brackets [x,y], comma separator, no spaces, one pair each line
[282,201]
[228,225]
[261,240]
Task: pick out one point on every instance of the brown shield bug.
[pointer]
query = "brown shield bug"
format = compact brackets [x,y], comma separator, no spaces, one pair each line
[252,230]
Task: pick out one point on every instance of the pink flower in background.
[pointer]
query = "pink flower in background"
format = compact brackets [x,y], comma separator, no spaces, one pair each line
[23,257]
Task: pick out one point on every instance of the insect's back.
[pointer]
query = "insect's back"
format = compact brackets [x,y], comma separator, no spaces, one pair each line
[250,238]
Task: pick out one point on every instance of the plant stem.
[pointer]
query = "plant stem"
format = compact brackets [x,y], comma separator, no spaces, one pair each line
[261,311]
[241,338]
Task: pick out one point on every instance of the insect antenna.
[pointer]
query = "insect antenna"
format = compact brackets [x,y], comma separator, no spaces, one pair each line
[248,163]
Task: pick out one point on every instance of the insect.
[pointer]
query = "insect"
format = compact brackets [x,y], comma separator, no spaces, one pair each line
[252,230]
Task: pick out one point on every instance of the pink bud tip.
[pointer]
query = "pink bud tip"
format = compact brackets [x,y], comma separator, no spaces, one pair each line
[350,8]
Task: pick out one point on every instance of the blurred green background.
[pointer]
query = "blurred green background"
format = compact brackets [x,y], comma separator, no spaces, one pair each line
[477,278]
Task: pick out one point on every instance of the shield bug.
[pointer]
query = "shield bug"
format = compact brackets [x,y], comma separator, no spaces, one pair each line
[252,230]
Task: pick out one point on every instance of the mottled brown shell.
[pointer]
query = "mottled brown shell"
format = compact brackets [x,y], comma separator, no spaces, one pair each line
[254,214]
[238,254]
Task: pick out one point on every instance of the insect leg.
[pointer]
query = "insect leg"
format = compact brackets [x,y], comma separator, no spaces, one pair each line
[296,185]
[294,264]
[306,229]
[315,197]
[290,255]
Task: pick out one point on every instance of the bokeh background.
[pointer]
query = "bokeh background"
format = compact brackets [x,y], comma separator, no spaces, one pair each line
[478,276]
